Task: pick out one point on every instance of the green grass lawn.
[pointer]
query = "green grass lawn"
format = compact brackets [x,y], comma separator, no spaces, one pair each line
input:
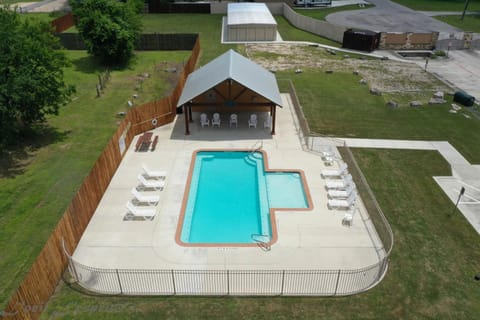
[430,275]
[440,5]
[469,22]
[336,104]
[39,178]
[321,13]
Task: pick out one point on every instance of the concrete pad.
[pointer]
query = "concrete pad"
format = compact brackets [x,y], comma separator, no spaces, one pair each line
[307,240]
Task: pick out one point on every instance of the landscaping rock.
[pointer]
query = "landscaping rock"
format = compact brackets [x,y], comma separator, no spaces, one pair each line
[456,107]
[438,95]
[375,92]
[298,70]
[355,72]
[392,104]
[329,71]
[452,111]
[363,81]
[415,104]
[346,56]
[436,101]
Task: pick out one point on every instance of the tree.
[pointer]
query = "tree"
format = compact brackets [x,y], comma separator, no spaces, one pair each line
[108,27]
[31,73]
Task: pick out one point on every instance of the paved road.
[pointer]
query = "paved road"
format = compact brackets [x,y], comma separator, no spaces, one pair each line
[388,16]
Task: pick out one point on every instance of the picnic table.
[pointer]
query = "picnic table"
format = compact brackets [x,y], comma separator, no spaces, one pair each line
[144,142]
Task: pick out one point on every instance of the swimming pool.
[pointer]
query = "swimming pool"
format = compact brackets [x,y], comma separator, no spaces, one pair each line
[229,197]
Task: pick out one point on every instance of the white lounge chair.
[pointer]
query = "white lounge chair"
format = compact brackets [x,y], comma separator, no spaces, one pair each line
[150,199]
[341,170]
[252,122]
[233,119]
[151,184]
[204,120]
[216,120]
[145,213]
[340,184]
[342,194]
[152,173]
[342,203]
[268,122]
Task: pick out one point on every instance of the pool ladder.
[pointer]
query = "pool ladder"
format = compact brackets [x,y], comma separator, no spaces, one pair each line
[264,245]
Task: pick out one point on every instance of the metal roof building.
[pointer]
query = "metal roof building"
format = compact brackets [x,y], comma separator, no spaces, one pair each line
[230,83]
[250,22]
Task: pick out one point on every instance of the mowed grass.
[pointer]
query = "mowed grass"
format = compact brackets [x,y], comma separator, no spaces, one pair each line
[469,22]
[338,105]
[322,13]
[430,275]
[440,5]
[39,177]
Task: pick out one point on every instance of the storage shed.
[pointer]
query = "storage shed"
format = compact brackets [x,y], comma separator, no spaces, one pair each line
[364,40]
[250,22]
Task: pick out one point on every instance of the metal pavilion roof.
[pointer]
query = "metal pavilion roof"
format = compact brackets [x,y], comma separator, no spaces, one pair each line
[231,65]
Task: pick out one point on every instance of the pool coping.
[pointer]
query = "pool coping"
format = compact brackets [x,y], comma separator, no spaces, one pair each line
[273,225]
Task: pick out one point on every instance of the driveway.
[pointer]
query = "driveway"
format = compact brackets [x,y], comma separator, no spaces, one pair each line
[388,16]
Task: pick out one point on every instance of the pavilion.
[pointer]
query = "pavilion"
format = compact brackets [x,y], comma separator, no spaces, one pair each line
[230,83]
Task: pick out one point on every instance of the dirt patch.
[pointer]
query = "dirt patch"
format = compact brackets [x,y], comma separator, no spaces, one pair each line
[384,75]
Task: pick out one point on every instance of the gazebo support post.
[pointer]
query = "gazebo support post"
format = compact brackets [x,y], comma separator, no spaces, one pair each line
[185,112]
[273,112]
[190,113]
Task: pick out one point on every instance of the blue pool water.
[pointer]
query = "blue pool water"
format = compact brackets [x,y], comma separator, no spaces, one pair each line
[230,196]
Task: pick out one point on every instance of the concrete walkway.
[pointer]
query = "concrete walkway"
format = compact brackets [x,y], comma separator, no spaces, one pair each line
[464,174]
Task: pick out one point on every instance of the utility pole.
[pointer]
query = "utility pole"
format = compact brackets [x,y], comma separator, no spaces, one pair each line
[464,9]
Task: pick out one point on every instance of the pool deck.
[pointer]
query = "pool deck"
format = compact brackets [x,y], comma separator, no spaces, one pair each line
[307,240]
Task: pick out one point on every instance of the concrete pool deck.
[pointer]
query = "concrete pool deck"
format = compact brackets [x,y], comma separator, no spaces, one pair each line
[307,240]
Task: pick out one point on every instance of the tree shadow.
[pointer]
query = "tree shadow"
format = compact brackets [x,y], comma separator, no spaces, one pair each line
[87,64]
[16,155]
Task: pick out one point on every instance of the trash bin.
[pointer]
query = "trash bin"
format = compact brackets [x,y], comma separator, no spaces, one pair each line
[463,98]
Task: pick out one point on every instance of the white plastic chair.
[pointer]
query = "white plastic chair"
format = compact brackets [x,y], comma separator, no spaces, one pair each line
[268,122]
[233,119]
[348,217]
[204,120]
[216,120]
[152,173]
[342,203]
[342,169]
[340,184]
[252,122]
[342,194]
[142,198]
[145,213]
[150,184]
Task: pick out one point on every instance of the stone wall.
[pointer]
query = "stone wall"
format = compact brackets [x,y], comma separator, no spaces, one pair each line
[408,41]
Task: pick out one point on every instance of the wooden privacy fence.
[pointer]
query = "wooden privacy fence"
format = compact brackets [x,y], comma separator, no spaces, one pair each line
[63,23]
[39,284]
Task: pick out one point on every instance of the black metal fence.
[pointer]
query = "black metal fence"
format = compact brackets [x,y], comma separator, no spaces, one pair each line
[159,6]
[227,282]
